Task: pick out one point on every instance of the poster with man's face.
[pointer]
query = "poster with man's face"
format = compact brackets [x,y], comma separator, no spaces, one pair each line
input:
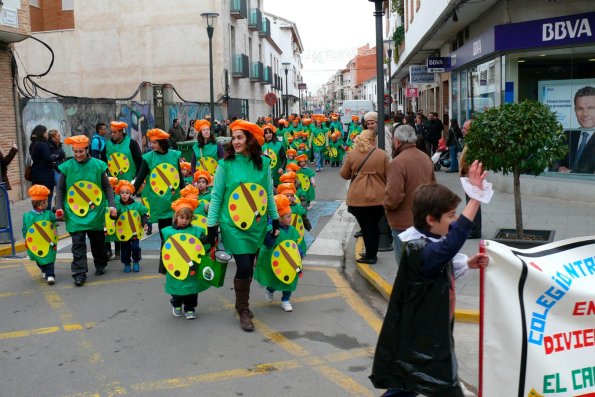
[559,96]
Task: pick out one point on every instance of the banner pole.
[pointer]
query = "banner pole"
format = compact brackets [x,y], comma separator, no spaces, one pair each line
[481,313]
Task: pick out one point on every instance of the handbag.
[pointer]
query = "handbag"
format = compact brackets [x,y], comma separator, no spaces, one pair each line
[361,165]
[213,267]
[29,167]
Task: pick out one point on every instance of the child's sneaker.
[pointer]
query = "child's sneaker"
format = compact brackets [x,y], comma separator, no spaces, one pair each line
[177,311]
[136,267]
[286,306]
[268,296]
[126,268]
[51,280]
[190,315]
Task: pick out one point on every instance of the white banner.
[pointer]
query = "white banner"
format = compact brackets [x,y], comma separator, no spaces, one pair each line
[538,320]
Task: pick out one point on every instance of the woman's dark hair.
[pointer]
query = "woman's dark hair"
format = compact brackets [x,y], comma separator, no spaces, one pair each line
[420,143]
[432,199]
[454,124]
[163,144]
[37,133]
[201,139]
[253,147]
[274,138]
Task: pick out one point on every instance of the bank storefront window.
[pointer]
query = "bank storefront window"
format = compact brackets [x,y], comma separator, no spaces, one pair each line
[563,79]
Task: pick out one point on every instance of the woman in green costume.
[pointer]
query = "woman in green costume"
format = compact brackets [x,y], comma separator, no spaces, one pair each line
[273,148]
[161,169]
[206,152]
[241,200]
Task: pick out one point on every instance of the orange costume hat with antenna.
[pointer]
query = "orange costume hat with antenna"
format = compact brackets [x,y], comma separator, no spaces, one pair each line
[157,134]
[291,152]
[284,188]
[123,184]
[288,177]
[301,157]
[292,167]
[117,125]
[200,124]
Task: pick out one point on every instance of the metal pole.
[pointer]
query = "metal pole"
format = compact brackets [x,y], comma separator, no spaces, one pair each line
[390,76]
[210,30]
[378,13]
[300,91]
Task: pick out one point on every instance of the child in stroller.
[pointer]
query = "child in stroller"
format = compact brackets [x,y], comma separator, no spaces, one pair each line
[441,158]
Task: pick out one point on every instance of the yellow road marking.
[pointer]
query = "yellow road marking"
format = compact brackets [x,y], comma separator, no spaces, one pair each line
[40,331]
[343,381]
[9,266]
[9,294]
[353,300]
[301,299]
[279,339]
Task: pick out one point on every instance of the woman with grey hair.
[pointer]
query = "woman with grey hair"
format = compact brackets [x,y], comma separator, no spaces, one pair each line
[366,167]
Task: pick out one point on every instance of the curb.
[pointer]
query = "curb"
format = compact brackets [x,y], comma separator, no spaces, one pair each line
[20,246]
[385,288]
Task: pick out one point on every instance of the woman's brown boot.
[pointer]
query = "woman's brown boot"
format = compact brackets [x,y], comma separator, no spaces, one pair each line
[242,289]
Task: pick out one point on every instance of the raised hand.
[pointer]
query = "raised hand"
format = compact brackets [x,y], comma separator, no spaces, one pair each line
[477,174]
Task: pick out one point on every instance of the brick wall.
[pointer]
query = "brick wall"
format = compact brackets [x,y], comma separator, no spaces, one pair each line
[50,16]
[24,27]
[8,125]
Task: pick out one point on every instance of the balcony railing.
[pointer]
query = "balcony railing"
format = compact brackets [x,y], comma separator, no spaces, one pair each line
[267,75]
[256,71]
[255,19]
[239,9]
[265,30]
[240,66]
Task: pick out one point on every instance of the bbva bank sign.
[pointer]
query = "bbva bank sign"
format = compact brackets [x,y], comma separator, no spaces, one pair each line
[564,30]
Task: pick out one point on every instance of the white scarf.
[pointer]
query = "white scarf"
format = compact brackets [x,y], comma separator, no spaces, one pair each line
[459,261]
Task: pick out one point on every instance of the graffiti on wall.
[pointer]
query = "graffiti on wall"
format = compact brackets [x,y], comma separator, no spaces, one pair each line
[187,112]
[80,117]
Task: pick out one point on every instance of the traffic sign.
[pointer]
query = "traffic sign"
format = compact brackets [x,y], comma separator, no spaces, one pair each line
[388,99]
[411,92]
[302,86]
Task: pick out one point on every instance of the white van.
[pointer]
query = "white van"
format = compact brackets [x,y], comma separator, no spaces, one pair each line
[358,107]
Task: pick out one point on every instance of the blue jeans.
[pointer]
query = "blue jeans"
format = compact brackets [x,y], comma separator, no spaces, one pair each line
[285,295]
[398,244]
[319,159]
[130,248]
[454,161]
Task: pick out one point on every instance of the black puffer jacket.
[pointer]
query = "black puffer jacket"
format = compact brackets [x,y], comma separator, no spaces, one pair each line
[42,170]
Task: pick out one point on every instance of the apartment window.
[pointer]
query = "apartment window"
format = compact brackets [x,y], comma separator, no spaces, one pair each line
[67,5]
[34,3]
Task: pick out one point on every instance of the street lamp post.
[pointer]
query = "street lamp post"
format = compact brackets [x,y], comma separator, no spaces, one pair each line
[300,94]
[211,19]
[391,43]
[378,13]
[286,66]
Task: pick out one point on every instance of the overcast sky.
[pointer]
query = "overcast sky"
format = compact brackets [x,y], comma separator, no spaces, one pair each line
[331,31]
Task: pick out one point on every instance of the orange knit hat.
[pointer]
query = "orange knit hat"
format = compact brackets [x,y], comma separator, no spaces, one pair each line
[38,192]
[282,203]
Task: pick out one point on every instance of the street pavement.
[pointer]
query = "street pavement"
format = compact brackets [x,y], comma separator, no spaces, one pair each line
[117,336]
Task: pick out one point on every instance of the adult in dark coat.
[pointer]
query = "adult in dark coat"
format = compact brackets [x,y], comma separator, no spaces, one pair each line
[4,162]
[42,169]
[56,152]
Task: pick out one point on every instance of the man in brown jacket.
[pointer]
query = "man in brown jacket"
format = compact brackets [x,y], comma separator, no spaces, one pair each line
[409,169]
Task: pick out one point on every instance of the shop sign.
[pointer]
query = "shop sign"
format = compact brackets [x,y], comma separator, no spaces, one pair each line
[418,74]
[437,64]
[9,17]
[411,92]
[473,50]
[564,30]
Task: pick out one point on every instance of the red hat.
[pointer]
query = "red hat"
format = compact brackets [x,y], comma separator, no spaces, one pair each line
[252,128]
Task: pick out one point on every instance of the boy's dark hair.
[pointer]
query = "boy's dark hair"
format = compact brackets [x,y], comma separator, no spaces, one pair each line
[98,126]
[36,203]
[432,199]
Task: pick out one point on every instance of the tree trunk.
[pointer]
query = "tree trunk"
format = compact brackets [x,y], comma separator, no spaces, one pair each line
[518,209]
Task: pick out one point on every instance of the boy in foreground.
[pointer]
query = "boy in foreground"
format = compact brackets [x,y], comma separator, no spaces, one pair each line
[415,353]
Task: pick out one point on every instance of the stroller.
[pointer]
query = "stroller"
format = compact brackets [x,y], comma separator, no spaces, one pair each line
[441,159]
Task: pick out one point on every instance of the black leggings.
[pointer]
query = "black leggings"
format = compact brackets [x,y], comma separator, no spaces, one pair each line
[163,223]
[244,265]
[368,218]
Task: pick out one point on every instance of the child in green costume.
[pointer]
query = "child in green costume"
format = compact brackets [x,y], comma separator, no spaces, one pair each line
[39,232]
[132,216]
[181,253]
[299,215]
[279,263]
[186,172]
[336,150]
[306,178]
